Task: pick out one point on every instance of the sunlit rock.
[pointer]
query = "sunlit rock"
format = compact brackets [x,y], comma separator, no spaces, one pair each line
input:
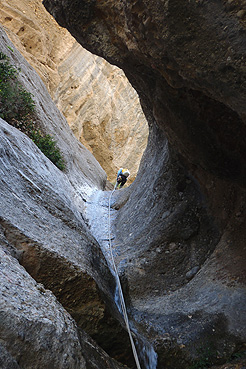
[97,100]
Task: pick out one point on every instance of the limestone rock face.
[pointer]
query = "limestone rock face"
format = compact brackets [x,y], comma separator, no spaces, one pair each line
[186,210]
[37,36]
[102,110]
[32,314]
[97,100]
[54,123]
[42,225]
[36,331]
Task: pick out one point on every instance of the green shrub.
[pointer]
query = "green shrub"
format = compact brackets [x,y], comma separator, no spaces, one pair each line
[47,145]
[16,104]
[17,108]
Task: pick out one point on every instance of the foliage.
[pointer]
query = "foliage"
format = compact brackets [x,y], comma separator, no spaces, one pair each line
[47,145]
[16,103]
[17,108]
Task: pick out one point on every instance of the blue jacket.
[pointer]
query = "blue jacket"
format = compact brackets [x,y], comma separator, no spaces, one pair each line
[119,172]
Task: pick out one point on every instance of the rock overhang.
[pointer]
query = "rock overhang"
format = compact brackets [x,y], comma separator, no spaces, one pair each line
[186,61]
[191,84]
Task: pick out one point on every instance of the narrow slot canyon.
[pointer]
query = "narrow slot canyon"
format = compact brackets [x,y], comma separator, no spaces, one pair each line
[177,229]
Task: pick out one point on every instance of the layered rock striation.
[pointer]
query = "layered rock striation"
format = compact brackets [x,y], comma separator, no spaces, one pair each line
[180,229]
[103,111]
[97,100]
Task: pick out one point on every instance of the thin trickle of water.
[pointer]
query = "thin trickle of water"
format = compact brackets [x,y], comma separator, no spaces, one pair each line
[97,211]
[148,356]
[117,299]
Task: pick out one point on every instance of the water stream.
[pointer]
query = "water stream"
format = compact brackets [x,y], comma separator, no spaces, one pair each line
[97,216]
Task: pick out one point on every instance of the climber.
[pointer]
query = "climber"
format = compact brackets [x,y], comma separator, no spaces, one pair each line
[122,177]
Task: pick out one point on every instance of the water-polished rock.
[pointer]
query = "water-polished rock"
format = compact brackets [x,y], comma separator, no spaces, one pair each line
[42,225]
[187,205]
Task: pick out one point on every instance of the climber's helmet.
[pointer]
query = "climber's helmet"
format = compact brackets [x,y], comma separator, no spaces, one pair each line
[125,172]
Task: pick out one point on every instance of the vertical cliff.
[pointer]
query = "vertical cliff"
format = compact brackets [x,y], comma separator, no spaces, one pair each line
[97,100]
[52,269]
[180,229]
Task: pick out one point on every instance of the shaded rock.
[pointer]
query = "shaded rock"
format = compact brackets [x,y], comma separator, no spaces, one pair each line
[241,13]
[186,61]
[36,331]
[6,360]
[175,70]
[191,273]
[42,222]
[95,357]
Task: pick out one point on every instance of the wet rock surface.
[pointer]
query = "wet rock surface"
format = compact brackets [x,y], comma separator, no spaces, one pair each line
[48,236]
[36,331]
[187,206]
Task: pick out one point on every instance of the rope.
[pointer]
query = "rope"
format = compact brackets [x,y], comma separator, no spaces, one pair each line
[122,301]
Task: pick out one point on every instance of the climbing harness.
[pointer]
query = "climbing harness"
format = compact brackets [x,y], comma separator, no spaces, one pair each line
[122,301]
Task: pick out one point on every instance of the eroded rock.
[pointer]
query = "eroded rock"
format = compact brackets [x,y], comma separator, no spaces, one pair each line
[43,227]
[36,331]
[187,62]
[116,130]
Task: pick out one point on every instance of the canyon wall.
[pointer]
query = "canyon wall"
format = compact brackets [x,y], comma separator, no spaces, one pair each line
[52,270]
[97,100]
[180,228]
